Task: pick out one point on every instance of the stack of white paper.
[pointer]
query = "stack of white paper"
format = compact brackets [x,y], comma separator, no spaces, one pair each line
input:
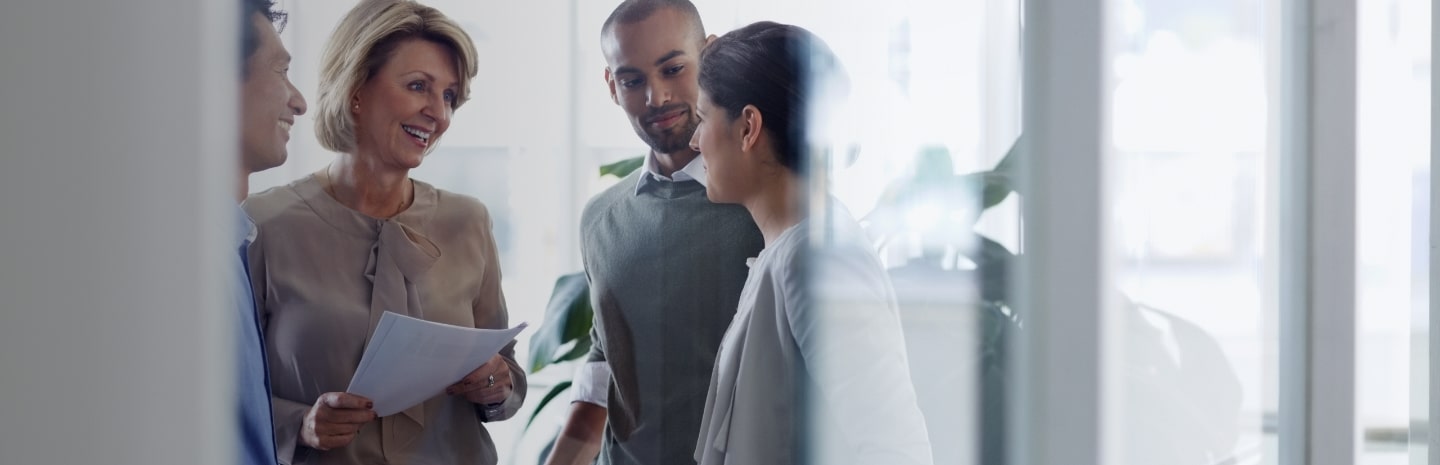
[409,360]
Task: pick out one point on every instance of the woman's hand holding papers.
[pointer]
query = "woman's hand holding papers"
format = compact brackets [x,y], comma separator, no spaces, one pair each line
[489,384]
[334,419]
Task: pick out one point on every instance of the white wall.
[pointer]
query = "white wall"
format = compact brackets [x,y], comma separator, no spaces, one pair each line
[115,129]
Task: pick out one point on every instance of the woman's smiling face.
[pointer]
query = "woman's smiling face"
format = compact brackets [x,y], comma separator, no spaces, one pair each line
[406,106]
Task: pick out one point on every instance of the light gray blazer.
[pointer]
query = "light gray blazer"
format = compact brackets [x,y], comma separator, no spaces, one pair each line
[814,370]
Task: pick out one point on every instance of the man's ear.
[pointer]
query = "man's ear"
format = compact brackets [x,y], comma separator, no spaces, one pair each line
[752,124]
[610,81]
[708,41]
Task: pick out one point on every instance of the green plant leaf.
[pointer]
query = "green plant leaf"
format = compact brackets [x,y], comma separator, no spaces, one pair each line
[1008,164]
[576,352]
[545,451]
[580,317]
[555,391]
[993,262]
[567,318]
[995,187]
[622,168]
[998,183]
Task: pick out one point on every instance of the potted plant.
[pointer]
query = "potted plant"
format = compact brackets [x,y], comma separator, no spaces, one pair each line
[564,336]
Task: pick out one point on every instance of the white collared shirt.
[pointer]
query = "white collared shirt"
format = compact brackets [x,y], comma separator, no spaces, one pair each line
[592,384]
[694,171]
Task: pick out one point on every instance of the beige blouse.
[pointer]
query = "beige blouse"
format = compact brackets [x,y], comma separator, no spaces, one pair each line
[323,274]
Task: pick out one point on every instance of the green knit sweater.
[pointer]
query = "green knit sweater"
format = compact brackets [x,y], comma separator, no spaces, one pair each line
[666,267]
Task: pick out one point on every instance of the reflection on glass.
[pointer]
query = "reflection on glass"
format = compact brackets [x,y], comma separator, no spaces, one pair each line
[1392,208]
[1190,133]
[951,286]
[933,102]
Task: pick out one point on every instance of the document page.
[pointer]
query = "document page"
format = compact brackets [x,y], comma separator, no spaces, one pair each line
[409,360]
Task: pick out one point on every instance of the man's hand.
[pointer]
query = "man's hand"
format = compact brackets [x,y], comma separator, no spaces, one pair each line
[579,442]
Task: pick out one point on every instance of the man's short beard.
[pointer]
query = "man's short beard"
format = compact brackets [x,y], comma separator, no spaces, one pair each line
[674,140]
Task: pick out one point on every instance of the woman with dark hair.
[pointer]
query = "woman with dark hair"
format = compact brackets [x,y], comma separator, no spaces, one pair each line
[813,367]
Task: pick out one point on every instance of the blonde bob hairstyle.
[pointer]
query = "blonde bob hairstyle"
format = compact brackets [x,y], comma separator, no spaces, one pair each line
[363,42]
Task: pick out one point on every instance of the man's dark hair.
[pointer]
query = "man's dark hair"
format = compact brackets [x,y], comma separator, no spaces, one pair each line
[777,68]
[249,39]
[634,11]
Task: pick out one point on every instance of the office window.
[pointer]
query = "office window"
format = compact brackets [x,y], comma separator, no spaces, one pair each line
[1192,218]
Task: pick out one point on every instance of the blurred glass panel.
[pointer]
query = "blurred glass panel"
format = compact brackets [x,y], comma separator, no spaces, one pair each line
[1393,228]
[933,107]
[1190,176]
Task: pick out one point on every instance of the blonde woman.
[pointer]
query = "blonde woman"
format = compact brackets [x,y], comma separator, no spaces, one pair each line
[338,248]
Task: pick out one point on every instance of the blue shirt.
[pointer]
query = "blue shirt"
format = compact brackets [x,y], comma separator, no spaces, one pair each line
[252,381]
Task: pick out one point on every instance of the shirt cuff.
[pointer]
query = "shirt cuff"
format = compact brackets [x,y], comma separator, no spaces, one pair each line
[592,383]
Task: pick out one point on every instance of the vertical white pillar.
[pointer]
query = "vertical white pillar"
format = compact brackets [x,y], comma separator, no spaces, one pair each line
[1063,281]
[1318,233]
[116,148]
[1433,441]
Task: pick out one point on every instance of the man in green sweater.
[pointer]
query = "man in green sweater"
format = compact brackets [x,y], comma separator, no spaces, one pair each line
[665,265]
